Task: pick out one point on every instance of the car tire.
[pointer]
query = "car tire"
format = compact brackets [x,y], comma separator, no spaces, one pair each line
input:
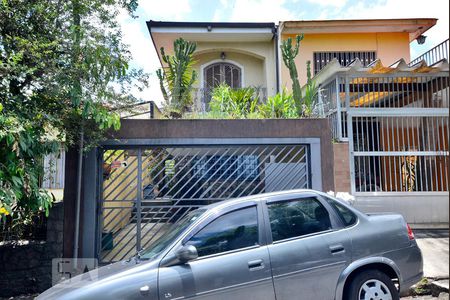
[372,284]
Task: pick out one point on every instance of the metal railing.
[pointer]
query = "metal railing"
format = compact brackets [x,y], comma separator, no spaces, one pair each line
[398,132]
[397,128]
[388,91]
[141,110]
[433,55]
[407,152]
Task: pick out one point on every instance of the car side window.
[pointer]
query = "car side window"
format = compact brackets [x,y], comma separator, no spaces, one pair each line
[298,217]
[346,215]
[235,230]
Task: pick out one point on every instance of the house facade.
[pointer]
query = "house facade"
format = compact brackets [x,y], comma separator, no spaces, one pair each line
[240,54]
[247,54]
[345,40]
[389,117]
[382,136]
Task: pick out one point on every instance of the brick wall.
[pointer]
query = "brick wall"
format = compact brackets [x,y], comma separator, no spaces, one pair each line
[341,167]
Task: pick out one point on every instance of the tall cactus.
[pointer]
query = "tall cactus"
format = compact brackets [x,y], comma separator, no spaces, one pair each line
[289,53]
[177,78]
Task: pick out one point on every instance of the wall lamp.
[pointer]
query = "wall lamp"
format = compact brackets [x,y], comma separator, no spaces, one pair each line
[421,39]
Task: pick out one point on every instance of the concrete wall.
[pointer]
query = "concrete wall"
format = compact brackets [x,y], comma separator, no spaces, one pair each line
[421,210]
[389,47]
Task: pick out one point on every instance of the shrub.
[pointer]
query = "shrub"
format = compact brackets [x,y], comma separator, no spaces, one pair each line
[282,105]
[238,103]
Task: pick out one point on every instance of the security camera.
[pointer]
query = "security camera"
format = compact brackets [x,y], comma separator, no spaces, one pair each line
[421,39]
[124,164]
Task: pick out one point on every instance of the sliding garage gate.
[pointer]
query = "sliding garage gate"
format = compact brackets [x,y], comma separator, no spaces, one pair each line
[147,188]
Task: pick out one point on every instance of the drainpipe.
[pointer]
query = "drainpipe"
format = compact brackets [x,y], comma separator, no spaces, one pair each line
[280,28]
[277,61]
[78,200]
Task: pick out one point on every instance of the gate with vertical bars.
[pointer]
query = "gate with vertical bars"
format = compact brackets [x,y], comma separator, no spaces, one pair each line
[147,188]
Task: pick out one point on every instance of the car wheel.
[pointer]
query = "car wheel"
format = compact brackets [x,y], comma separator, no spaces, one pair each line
[372,285]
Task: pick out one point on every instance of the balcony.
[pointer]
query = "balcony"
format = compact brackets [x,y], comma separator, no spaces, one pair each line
[433,55]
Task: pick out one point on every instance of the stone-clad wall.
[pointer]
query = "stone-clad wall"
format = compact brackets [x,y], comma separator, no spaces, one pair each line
[341,168]
[27,268]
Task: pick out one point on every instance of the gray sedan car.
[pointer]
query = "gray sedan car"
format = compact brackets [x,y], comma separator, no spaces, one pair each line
[298,244]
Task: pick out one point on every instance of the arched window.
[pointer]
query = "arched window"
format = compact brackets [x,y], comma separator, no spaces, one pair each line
[222,72]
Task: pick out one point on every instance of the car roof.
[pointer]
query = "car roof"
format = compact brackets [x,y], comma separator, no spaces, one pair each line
[257,197]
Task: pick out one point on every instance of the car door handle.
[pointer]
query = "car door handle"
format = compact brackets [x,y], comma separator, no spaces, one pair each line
[256,265]
[144,290]
[335,249]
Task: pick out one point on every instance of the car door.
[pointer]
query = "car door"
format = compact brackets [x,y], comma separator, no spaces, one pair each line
[308,250]
[233,261]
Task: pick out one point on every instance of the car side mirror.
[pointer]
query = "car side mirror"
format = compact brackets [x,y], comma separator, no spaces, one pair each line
[181,256]
[186,253]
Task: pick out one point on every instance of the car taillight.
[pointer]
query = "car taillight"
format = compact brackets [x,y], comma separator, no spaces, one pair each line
[410,232]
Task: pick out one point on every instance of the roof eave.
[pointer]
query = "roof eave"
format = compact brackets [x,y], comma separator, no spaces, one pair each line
[419,26]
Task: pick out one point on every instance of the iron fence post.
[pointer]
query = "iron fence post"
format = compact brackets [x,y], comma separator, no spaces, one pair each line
[139,200]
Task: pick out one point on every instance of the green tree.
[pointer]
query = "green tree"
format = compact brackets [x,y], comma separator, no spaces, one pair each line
[63,69]
[177,78]
[22,145]
[289,53]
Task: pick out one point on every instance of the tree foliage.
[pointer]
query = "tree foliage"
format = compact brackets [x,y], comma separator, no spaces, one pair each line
[63,70]
[22,145]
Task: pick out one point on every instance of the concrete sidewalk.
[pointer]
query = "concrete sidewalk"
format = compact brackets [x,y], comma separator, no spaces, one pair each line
[434,246]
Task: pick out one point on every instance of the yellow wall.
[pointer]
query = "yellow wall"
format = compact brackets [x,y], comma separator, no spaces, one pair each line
[119,186]
[389,47]
[258,58]
[253,68]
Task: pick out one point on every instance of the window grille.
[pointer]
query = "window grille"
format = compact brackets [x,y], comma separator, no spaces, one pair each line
[321,59]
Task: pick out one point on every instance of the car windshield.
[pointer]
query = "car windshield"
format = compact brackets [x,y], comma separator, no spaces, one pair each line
[170,235]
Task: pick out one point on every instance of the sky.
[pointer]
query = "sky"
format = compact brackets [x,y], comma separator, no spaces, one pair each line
[136,35]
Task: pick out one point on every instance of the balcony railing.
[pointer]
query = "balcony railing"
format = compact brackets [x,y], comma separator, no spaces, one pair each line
[202,97]
[433,55]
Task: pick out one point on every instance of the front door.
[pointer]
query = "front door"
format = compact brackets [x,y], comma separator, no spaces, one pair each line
[308,252]
[233,263]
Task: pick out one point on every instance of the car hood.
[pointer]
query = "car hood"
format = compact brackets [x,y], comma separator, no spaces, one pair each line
[71,288]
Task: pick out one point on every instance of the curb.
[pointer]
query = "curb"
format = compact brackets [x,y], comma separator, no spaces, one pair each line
[429,286]
[439,286]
